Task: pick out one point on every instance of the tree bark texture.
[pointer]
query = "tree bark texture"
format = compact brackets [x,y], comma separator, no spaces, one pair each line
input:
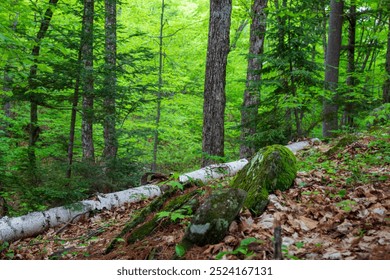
[160,85]
[7,87]
[330,106]
[386,86]
[110,138]
[351,81]
[6,102]
[215,80]
[73,117]
[32,85]
[249,111]
[87,82]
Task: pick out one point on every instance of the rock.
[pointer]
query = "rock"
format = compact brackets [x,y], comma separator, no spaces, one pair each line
[272,168]
[287,241]
[213,218]
[332,256]
[345,227]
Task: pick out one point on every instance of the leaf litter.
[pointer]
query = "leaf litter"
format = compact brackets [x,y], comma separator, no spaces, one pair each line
[336,210]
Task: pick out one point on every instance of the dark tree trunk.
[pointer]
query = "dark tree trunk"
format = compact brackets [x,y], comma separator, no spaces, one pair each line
[110,138]
[330,106]
[32,85]
[386,86]
[87,82]
[7,87]
[6,102]
[215,80]
[351,81]
[160,84]
[249,111]
[73,117]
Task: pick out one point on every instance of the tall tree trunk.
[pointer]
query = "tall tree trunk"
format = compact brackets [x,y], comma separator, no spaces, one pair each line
[110,137]
[215,80]
[386,86]
[249,111]
[159,90]
[351,81]
[7,87]
[87,82]
[6,102]
[32,85]
[330,106]
[72,129]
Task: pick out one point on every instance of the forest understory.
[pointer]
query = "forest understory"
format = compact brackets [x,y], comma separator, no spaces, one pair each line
[338,208]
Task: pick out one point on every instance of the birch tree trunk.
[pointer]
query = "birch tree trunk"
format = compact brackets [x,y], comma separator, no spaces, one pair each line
[215,80]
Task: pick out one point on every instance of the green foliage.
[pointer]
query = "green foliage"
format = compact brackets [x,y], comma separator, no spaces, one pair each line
[291,91]
[286,253]
[242,249]
[179,214]
[346,205]
[180,250]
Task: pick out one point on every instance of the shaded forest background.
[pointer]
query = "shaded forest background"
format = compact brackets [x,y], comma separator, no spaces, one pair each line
[127,78]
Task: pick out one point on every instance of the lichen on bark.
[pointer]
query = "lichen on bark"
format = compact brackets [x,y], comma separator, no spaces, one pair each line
[271,168]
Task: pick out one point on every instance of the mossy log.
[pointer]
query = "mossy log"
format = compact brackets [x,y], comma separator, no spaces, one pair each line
[140,216]
[179,202]
[272,168]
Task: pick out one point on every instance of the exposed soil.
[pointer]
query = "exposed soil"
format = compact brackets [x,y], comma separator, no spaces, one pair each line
[324,215]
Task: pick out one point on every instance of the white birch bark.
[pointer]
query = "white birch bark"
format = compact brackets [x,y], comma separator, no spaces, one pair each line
[37,222]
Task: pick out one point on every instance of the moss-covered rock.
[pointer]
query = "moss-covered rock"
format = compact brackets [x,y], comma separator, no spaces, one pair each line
[212,219]
[272,168]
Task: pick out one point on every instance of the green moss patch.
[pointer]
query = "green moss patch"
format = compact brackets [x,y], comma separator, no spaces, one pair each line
[272,168]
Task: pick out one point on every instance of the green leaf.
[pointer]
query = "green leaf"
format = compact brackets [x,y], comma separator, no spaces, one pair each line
[299,244]
[247,241]
[180,250]
[176,184]
[163,214]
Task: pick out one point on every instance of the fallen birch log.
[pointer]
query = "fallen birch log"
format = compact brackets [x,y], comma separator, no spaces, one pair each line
[36,222]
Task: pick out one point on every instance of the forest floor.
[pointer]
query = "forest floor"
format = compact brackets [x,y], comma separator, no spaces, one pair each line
[338,208]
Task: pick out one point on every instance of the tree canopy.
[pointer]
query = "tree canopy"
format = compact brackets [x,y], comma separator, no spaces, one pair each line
[40,88]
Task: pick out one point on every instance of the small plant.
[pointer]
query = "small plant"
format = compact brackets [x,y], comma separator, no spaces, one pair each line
[361,232]
[299,244]
[346,205]
[180,250]
[310,192]
[286,253]
[176,184]
[243,248]
[179,214]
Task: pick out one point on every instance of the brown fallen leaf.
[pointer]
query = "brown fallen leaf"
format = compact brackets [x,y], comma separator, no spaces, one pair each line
[307,224]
